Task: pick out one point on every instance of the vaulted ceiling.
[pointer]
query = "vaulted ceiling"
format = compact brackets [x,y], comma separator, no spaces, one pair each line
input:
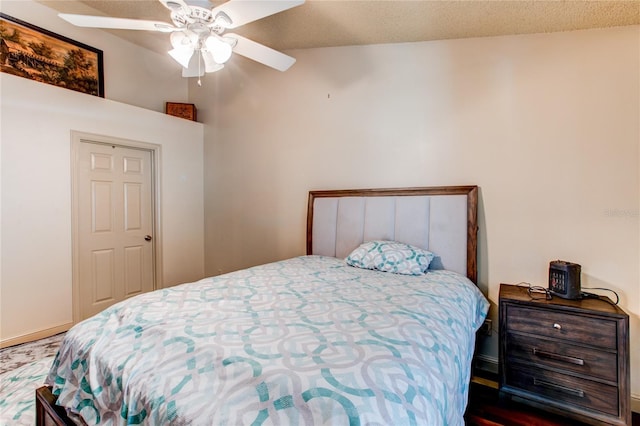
[324,23]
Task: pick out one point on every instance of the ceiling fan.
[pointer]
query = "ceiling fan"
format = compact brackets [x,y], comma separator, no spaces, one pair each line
[198,36]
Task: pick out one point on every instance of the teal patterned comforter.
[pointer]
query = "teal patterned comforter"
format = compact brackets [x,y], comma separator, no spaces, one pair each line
[308,340]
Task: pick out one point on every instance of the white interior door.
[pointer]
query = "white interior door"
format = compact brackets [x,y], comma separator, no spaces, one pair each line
[114,224]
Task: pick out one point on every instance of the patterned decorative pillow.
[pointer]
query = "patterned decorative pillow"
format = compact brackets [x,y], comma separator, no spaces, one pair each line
[391,256]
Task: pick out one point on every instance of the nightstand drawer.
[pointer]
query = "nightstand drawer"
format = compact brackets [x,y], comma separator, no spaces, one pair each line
[563,388]
[579,359]
[556,324]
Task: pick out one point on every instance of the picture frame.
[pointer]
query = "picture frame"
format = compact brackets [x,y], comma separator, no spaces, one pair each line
[182,110]
[37,54]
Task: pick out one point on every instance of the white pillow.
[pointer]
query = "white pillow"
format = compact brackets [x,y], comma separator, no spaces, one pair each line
[391,256]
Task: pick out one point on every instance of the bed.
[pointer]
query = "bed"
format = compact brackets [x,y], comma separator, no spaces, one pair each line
[374,325]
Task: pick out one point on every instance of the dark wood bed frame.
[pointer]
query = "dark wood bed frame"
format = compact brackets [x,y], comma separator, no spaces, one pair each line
[48,413]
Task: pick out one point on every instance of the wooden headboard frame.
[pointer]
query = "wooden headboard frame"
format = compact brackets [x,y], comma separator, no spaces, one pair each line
[471,193]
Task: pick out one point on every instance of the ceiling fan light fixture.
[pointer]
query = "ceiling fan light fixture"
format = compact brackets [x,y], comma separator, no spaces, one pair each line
[179,40]
[182,56]
[195,68]
[192,72]
[220,50]
[184,39]
[210,64]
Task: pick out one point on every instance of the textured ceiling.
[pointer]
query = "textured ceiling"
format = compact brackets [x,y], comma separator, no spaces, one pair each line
[324,23]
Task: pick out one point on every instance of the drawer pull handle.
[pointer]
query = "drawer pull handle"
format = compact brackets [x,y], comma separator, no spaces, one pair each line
[575,392]
[558,357]
[557,326]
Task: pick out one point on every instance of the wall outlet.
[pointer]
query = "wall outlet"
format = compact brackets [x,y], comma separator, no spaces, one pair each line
[486,327]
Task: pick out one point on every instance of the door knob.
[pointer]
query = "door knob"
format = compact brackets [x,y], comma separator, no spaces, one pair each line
[147,237]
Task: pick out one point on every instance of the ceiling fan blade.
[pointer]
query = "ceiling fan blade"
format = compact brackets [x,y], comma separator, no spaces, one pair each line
[244,11]
[175,5]
[116,23]
[261,53]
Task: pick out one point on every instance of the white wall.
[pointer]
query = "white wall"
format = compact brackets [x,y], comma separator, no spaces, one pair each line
[132,75]
[547,125]
[36,124]
[36,118]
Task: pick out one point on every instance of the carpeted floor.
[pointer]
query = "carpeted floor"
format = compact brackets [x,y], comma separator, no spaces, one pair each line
[19,355]
[23,369]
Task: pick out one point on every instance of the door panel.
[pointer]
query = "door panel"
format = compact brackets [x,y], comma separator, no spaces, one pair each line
[101,196]
[115,214]
[100,161]
[102,275]
[134,266]
[133,206]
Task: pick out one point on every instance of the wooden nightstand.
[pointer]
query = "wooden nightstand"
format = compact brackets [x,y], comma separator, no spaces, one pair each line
[570,357]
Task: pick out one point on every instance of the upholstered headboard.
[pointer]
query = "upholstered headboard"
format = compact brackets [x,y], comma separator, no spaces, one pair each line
[441,219]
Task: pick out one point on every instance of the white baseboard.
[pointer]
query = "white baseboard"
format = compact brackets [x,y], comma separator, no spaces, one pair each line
[25,338]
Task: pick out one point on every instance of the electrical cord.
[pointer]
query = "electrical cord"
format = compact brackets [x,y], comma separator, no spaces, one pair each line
[536,292]
[588,295]
[542,293]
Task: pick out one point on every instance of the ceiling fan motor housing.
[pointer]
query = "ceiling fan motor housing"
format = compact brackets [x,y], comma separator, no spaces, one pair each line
[200,20]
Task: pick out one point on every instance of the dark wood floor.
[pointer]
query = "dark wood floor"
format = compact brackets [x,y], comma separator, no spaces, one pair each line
[484,410]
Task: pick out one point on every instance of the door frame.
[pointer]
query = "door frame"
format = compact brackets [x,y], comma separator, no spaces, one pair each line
[155,150]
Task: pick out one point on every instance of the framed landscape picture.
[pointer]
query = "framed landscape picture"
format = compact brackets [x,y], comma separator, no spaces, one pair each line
[37,54]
